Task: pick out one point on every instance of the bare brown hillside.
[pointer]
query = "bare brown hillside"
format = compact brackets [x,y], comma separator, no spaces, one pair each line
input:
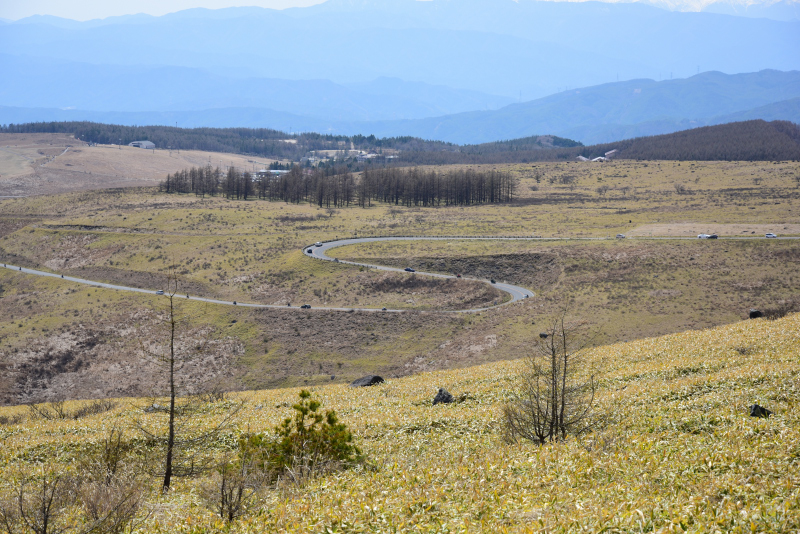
[43,163]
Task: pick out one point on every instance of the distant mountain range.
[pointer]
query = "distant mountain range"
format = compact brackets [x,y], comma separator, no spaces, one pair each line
[519,49]
[457,70]
[591,115]
[130,88]
[620,110]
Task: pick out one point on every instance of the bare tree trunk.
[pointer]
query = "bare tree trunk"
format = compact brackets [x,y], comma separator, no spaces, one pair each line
[565,348]
[171,434]
[556,397]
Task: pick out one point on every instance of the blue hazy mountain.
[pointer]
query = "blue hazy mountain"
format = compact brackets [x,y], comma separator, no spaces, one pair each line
[403,67]
[619,110]
[131,88]
[592,115]
[524,49]
[218,117]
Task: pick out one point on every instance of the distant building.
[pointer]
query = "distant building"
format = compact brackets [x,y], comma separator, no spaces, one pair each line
[143,144]
[581,158]
[610,153]
[269,173]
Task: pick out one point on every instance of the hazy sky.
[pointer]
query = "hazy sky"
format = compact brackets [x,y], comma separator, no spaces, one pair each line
[98,9]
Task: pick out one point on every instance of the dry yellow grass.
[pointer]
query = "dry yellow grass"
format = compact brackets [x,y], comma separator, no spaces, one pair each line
[680,455]
[250,252]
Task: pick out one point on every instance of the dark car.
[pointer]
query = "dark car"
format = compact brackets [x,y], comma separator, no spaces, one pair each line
[713,236]
[310,251]
[383,309]
[493,281]
[458,276]
[409,270]
[306,306]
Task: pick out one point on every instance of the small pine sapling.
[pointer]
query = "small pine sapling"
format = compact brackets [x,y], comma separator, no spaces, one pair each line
[310,441]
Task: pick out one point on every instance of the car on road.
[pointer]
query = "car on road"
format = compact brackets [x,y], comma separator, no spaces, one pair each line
[771,236]
[493,281]
[160,292]
[409,270]
[306,306]
[702,236]
[713,236]
[318,244]
[458,276]
[310,251]
[383,309]
[620,236]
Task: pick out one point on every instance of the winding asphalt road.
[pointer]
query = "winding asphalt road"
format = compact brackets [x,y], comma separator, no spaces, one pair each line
[318,252]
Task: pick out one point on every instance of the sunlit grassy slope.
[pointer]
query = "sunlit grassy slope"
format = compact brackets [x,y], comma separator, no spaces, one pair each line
[681,452]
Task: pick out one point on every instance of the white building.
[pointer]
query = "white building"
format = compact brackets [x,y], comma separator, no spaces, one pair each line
[143,144]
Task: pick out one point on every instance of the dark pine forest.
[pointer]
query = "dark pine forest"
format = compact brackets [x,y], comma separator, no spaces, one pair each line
[755,140]
[333,188]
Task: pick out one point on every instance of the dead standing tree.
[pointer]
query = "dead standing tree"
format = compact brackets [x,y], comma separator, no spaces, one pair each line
[557,388]
[185,445]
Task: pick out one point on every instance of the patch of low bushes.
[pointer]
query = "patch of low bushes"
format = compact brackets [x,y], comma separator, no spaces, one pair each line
[301,447]
[57,410]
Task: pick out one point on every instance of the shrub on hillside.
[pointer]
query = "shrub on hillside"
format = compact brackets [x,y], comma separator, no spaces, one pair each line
[556,392]
[232,488]
[57,410]
[308,443]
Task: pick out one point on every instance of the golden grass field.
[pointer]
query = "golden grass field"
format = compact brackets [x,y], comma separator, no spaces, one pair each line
[678,365]
[680,453]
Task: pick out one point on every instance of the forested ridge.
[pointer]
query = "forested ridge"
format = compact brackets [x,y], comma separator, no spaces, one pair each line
[263,142]
[329,187]
[754,140]
[270,143]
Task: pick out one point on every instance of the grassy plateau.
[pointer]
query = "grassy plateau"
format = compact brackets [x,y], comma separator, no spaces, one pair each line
[680,452]
[250,251]
[678,366]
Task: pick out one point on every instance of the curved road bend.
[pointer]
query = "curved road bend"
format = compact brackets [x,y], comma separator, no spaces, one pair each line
[516,293]
[320,253]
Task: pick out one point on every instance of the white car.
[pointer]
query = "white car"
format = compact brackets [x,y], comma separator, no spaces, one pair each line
[620,236]
[318,244]
[702,236]
[771,236]
[160,292]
